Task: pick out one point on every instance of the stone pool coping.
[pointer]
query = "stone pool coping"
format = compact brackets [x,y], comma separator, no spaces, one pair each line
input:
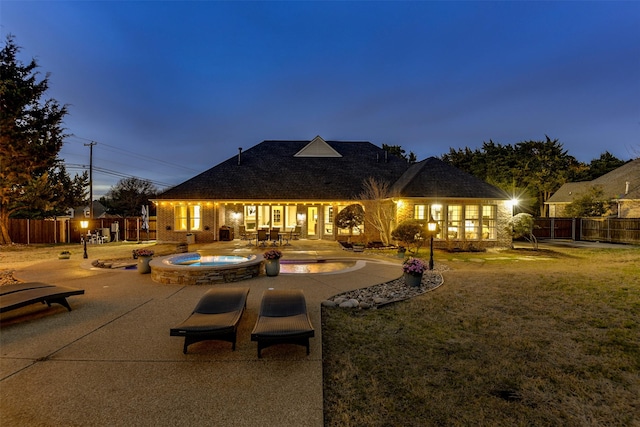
[165,272]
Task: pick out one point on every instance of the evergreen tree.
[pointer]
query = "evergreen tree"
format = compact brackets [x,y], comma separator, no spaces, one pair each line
[31,136]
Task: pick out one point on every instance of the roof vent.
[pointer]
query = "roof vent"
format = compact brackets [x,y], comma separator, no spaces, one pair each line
[626,188]
[239,154]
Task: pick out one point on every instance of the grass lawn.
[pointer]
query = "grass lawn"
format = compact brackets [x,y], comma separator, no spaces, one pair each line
[516,338]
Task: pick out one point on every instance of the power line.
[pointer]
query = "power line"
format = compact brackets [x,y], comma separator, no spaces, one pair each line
[138,155]
[105,171]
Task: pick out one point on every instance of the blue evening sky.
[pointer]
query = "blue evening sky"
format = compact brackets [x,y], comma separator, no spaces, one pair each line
[169,89]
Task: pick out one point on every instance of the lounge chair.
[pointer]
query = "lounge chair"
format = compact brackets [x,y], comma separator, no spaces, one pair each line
[22,294]
[216,317]
[283,319]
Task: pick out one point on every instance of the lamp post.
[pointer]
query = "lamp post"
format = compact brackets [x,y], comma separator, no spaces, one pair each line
[432,227]
[84,225]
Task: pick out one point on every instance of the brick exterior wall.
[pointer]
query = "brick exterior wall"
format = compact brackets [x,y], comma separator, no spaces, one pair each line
[215,215]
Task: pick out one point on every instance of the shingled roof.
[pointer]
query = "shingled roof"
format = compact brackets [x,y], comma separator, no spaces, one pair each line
[434,178]
[271,170]
[325,170]
[622,183]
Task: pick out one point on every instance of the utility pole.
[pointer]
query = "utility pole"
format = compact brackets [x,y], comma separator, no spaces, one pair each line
[90,145]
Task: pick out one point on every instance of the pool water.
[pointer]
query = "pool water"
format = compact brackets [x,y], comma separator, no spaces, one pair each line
[215,260]
[310,267]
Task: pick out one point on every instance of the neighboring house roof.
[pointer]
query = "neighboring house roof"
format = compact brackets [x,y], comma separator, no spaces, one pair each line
[568,191]
[622,183]
[434,178]
[325,170]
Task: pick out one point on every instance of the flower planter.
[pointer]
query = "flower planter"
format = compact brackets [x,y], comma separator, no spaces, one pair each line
[272,267]
[143,264]
[413,280]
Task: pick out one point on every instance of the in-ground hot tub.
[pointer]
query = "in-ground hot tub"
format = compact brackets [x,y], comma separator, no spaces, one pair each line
[195,269]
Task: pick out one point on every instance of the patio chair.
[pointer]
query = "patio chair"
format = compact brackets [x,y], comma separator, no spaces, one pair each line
[242,231]
[262,237]
[297,231]
[274,236]
[283,319]
[216,317]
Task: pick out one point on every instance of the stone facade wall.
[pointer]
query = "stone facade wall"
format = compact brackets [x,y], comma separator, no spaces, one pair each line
[184,275]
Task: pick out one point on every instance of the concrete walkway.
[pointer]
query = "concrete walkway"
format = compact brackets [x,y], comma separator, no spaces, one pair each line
[111,360]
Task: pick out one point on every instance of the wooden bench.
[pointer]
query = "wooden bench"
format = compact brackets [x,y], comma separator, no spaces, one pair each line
[20,295]
[216,317]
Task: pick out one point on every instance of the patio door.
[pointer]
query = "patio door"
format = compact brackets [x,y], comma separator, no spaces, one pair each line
[312,221]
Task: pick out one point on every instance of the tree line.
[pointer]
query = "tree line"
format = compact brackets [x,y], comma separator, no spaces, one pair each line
[35,184]
[530,171]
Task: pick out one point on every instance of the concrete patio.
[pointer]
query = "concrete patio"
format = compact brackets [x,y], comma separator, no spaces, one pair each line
[111,360]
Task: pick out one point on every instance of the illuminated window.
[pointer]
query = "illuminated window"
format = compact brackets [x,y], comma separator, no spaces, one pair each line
[276,217]
[187,217]
[436,215]
[420,212]
[472,222]
[328,219]
[180,215]
[291,216]
[489,222]
[454,221]
[195,217]
[250,218]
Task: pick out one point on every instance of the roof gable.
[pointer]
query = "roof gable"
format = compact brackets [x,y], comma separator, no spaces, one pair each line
[318,147]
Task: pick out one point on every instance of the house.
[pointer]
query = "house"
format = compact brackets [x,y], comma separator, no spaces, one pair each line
[288,184]
[621,187]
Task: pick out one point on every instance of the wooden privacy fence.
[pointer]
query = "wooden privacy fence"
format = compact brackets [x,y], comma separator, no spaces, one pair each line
[612,230]
[32,231]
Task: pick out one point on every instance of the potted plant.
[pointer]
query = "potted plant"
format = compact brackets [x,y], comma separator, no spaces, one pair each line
[413,269]
[143,256]
[64,255]
[272,262]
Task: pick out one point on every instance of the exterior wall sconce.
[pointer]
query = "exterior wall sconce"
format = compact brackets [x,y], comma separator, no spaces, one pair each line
[168,227]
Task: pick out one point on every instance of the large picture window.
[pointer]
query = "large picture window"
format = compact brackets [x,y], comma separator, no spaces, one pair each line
[489,222]
[187,217]
[471,222]
[454,222]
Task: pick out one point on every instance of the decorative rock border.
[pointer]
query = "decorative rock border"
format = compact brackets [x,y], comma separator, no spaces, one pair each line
[382,294]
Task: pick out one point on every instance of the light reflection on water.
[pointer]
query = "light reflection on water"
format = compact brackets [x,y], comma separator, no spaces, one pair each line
[314,267]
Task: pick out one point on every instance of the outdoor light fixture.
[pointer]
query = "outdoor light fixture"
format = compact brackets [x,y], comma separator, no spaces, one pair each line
[513,203]
[432,226]
[84,225]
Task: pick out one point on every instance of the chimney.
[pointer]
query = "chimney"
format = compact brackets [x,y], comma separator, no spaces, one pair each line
[239,154]
[626,187]
[386,156]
